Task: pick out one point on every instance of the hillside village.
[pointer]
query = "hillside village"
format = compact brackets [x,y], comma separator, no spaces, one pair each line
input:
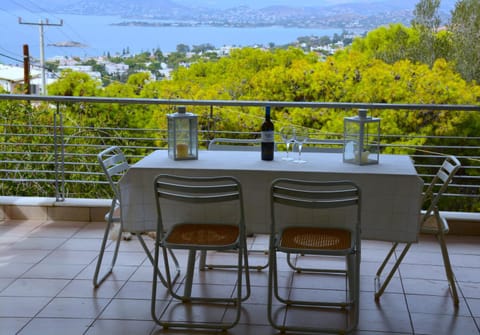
[106,68]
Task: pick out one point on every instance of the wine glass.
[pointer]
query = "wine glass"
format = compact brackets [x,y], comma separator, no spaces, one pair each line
[287,134]
[301,136]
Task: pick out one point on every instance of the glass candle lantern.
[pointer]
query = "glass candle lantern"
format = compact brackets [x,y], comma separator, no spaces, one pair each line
[361,136]
[182,135]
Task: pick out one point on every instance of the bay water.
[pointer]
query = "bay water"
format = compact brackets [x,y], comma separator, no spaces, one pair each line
[100,35]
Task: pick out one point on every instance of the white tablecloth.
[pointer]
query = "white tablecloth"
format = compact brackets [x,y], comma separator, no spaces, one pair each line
[391,190]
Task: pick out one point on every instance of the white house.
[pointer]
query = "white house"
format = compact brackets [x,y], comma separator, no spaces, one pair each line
[12,76]
[114,68]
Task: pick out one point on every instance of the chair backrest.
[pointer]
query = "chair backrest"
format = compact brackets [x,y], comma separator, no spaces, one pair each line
[439,184]
[238,144]
[329,204]
[214,200]
[114,165]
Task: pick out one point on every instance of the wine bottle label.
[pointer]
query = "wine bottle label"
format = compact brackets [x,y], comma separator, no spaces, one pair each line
[267,136]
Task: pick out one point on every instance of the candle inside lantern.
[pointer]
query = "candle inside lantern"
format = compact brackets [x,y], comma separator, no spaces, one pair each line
[365,156]
[182,150]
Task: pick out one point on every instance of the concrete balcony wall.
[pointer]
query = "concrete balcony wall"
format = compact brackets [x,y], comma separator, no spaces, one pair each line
[37,208]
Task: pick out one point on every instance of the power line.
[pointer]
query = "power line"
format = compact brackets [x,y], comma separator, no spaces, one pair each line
[41,24]
[12,58]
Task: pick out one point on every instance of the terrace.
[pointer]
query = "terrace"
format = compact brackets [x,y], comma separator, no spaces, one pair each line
[49,242]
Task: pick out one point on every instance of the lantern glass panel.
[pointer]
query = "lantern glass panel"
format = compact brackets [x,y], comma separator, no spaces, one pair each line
[182,135]
[361,139]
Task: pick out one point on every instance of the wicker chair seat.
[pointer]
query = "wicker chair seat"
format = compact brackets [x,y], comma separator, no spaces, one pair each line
[316,238]
[203,234]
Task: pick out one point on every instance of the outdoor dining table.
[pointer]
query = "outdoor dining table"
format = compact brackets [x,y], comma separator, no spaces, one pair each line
[391,189]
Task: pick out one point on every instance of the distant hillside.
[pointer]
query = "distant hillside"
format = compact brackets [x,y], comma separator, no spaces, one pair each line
[302,13]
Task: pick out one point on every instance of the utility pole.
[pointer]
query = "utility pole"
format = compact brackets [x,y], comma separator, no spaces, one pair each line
[26,69]
[41,24]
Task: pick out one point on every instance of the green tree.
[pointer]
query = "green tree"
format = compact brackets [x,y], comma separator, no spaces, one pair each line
[182,48]
[391,43]
[202,48]
[72,83]
[427,21]
[158,55]
[465,26]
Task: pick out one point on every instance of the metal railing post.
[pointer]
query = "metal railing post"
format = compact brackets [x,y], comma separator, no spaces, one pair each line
[59,154]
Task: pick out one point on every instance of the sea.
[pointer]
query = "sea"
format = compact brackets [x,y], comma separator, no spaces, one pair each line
[99,35]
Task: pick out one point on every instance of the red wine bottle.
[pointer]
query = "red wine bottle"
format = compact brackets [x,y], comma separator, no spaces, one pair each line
[268,142]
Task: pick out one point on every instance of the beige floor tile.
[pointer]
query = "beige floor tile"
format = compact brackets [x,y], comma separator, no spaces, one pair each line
[474,305]
[20,307]
[79,288]
[387,302]
[119,272]
[46,271]
[385,321]
[57,229]
[122,327]
[193,312]
[325,318]
[70,257]
[468,275]
[437,287]
[82,244]
[85,308]
[470,290]
[135,290]
[128,309]
[11,325]
[254,314]
[54,271]
[11,269]
[440,305]
[56,326]
[12,255]
[35,287]
[38,243]
[435,324]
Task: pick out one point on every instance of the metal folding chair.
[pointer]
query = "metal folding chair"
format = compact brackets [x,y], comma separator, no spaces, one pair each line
[200,214]
[114,165]
[431,222]
[319,218]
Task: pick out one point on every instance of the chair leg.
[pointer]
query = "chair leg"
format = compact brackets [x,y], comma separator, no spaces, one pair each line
[351,303]
[387,258]
[150,258]
[448,269]
[446,260]
[110,222]
[380,288]
[272,287]
[243,265]
[96,280]
[290,264]
[247,270]
[353,274]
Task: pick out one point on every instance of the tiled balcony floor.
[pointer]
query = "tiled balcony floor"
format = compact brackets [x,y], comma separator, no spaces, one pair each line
[46,271]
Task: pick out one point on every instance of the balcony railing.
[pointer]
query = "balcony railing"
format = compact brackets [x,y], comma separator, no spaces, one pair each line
[58,159]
